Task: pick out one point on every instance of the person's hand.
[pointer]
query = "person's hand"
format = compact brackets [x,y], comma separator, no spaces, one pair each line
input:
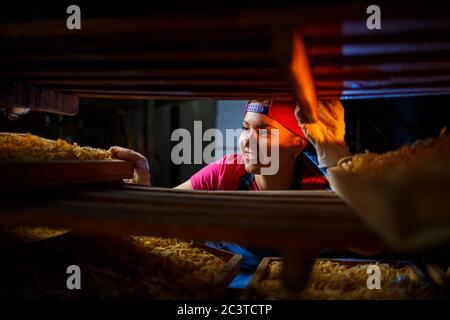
[327,133]
[330,125]
[141,174]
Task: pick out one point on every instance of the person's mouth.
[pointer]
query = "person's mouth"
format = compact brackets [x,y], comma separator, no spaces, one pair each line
[249,156]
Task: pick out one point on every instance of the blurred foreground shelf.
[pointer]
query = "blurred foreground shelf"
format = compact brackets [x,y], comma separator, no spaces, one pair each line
[277,219]
[245,52]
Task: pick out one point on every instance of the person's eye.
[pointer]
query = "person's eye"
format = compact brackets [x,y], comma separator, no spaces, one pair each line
[245,128]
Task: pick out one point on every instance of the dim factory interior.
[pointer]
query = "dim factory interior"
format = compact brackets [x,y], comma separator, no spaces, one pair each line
[131,77]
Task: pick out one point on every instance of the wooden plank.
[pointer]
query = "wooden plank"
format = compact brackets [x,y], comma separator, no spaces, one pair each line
[206,55]
[357,92]
[156,84]
[156,66]
[191,48]
[234,216]
[108,26]
[379,49]
[274,77]
[373,37]
[405,58]
[385,96]
[16,174]
[226,92]
[42,99]
[160,17]
[336,94]
[323,94]
[213,39]
[191,18]
[395,27]
[381,76]
[121,71]
[267,96]
[177,85]
[405,82]
[186,96]
[229,33]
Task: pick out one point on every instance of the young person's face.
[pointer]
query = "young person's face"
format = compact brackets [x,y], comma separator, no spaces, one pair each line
[267,134]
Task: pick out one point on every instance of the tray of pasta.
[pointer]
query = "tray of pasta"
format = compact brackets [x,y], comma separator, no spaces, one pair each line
[27,160]
[402,194]
[343,279]
[113,266]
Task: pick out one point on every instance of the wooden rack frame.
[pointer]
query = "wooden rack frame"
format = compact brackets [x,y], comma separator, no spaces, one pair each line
[241,53]
[308,219]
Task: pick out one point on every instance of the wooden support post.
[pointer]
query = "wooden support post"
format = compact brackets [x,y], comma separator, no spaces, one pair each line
[297,266]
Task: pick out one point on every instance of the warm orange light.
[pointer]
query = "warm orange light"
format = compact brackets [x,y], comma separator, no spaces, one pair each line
[301,71]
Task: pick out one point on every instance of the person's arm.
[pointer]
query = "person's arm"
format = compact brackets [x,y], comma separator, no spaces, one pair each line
[327,136]
[187,185]
[141,173]
[327,133]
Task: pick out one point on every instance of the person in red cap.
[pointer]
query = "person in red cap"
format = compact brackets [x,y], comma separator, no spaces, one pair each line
[263,121]
[278,125]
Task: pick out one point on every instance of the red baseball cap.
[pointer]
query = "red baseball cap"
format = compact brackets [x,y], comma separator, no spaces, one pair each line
[282,111]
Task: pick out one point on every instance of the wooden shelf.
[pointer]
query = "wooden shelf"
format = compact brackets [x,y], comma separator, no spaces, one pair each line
[16,174]
[293,219]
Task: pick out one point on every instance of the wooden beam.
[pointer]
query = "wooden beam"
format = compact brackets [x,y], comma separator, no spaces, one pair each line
[402,82]
[36,98]
[158,84]
[342,96]
[118,56]
[384,96]
[378,49]
[121,71]
[185,96]
[309,219]
[435,57]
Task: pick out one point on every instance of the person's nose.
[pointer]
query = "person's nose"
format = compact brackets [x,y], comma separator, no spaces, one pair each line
[250,134]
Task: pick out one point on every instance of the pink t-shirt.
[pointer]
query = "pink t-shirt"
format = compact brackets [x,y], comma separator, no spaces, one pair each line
[223,174]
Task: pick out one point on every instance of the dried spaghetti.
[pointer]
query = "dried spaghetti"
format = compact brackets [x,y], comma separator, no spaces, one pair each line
[28,147]
[112,267]
[190,265]
[424,157]
[334,280]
